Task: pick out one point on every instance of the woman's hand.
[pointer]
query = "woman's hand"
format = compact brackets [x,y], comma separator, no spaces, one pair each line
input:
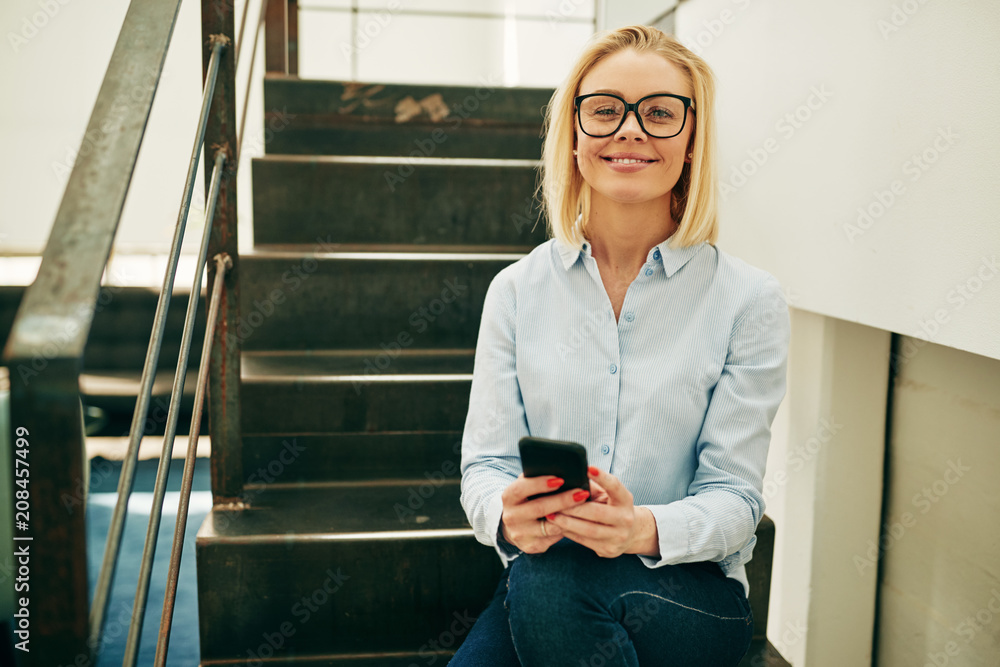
[523,521]
[610,525]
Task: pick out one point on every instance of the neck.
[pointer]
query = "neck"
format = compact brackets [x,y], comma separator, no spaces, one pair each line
[622,234]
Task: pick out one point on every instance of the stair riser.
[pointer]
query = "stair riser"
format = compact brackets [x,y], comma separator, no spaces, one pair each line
[395,203]
[354,407]
[487,103]
[309,302]
[300,138]
[353,457]
[361,596]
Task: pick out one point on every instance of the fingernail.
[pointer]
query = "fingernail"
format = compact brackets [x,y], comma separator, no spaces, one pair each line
[550,517]
[580,495]
[594,472]
[555,483]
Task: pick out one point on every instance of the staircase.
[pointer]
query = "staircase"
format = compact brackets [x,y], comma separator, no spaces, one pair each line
[381,214]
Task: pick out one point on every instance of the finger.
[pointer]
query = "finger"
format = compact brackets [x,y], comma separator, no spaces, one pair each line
[576,528]
[617,493]
[523,487]
[598,493]
[548,528]
[557,502]
[593,512]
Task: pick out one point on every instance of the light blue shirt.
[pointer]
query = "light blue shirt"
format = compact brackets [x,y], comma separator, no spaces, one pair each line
[676,398]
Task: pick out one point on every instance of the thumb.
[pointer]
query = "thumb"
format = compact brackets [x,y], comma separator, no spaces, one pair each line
[617,493]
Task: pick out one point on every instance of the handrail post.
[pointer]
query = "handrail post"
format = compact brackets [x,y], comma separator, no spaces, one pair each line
[281,37]
[293,37]
[218,21]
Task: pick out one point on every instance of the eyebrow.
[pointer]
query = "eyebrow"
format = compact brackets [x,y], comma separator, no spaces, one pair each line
[621,94]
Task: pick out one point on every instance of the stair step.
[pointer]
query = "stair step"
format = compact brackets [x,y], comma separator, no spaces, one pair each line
[452,201]
[355,391]
[378,568]
[350,118]
[760,654]
[356,300]
[337,457]
[402,659]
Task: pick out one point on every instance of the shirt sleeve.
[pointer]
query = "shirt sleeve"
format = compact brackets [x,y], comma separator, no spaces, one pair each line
[717,520]
[496,419]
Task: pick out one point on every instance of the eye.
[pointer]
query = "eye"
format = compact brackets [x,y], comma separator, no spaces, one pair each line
[660,113]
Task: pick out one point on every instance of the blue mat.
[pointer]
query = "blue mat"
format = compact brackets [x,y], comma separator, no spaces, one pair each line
[184,644]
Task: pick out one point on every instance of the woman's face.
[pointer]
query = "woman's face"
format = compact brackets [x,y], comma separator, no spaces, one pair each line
[632,75]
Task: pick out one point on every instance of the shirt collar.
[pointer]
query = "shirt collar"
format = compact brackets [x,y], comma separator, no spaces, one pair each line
[671,260]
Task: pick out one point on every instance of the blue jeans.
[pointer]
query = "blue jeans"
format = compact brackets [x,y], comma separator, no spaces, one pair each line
[570,607]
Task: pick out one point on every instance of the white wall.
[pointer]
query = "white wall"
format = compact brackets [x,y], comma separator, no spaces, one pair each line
[888,106]
[52,65]
[613,14]
[54,76]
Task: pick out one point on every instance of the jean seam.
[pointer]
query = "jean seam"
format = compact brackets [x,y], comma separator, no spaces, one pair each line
[682,606]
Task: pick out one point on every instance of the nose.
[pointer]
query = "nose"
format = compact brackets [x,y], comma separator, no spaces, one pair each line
[630,127]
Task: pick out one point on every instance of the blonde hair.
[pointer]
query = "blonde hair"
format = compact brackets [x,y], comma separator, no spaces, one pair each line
[566,196]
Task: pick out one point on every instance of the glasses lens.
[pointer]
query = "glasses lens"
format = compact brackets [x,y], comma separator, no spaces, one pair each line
[662,116]
[601,115]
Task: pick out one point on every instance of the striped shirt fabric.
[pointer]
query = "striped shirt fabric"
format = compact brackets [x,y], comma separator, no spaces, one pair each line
[676,398]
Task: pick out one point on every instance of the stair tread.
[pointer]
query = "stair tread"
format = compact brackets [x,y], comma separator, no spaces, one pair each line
[378,250]
[365,511]
[370,251]
[263,366]
[512,163]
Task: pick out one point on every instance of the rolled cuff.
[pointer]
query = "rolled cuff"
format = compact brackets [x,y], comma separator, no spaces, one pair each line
[673,533]
[494,513]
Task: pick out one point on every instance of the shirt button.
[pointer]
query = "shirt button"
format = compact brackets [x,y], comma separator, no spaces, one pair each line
[649,272]
[613,369]
[656,254]
[629,317]
[605,449]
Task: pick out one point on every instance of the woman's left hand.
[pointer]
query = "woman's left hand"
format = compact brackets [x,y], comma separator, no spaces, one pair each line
[609,524]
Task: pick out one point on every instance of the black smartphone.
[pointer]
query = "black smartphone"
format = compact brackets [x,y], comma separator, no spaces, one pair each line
[567,460]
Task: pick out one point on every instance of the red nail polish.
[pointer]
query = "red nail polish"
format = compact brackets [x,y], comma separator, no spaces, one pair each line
[580,495]
[594,472]
[555,483]
[550,517]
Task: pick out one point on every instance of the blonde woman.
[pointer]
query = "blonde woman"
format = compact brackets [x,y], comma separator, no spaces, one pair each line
[630,333]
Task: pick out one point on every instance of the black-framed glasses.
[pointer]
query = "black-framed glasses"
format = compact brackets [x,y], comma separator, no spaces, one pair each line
[661,116]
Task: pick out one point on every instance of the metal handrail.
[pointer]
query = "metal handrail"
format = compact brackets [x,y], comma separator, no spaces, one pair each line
[112,548]
[57,312]
[163,468]
[222,263]
[46,344]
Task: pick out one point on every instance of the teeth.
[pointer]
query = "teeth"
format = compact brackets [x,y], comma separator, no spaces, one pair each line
[627,160]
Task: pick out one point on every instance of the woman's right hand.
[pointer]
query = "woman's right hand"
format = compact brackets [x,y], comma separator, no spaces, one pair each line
[523,521]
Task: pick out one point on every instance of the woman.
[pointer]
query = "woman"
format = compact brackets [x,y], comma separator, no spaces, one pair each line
[630,333]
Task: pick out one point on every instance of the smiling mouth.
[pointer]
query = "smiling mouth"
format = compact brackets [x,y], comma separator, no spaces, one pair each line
[620,160]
